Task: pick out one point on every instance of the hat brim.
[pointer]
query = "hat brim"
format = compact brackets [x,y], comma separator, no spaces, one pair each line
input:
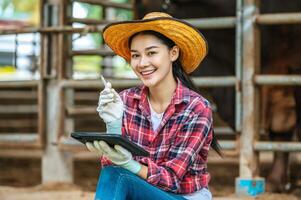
[193,46]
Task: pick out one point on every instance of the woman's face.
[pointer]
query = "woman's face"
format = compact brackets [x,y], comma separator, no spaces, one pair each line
[152,60]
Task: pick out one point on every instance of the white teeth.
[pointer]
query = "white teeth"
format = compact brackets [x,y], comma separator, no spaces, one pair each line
[147,72]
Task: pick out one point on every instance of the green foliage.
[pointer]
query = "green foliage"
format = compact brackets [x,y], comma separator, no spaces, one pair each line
[87,64]
[21,10]
[25,5]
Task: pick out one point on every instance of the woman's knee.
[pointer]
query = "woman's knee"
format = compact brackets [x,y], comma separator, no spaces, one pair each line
[112,173]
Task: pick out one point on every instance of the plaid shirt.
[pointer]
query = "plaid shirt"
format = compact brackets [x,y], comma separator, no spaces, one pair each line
[179,146]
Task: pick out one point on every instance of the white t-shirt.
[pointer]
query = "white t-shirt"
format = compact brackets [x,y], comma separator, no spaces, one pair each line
[155,117]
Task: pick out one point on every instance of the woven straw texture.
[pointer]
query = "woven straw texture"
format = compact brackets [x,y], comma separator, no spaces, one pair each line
[193,46]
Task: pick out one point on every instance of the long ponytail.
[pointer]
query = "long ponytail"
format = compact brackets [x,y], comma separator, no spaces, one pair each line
[179,72]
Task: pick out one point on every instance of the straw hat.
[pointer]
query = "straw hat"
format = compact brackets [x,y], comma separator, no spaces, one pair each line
[193,46]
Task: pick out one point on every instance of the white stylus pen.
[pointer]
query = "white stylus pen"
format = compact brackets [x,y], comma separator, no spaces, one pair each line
[103,80]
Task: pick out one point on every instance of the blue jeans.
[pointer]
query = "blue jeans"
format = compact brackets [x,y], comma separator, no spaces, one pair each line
[120,184]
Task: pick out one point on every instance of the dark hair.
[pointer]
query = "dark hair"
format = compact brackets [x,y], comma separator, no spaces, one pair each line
[178,72]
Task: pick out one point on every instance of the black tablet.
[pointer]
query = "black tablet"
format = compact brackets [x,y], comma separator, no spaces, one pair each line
[111,139]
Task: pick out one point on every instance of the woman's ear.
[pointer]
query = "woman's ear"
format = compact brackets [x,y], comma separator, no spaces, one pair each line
[174,53]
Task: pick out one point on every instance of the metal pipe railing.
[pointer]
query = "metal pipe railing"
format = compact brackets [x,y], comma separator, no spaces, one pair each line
[278,146]
[213,23]
[90,21]
[278,80]
[106,3]
[54,29]
[283,18]
[205,23]
[100,51]
[124,83]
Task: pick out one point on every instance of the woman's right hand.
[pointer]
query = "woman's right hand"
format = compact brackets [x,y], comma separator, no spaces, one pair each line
[110,105]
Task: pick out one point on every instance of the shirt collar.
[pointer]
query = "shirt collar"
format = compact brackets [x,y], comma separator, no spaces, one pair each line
[180,95]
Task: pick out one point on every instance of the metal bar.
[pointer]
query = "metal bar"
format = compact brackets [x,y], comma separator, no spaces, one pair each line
[101,51]
[215,81]
[41,113]
[124,83]
[228,144]
[210,23]
[278,146]
[277,79]
[54,29]
[213,23]
[96,84]
[224,131]
[283,18]
[106,3]
[238,66]
[19,84]
[90,21]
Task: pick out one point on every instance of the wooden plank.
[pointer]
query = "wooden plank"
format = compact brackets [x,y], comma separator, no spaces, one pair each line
[18,123]
[12,94]
[81,110]
[18,109]
[21,153]
[19,84]
[19,141]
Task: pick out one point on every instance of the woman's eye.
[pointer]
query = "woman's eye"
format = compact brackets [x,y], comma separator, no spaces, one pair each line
[135,56]
[151,53]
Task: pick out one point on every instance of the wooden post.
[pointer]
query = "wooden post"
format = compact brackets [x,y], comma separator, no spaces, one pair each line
[248,183]
[57,166]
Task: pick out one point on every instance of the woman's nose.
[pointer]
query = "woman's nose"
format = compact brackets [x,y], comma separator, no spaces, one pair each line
[143,62]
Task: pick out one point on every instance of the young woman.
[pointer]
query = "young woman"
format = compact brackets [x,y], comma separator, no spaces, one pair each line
[165,115]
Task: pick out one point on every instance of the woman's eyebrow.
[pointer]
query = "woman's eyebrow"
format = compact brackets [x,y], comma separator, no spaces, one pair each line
[151,47]
[146,49]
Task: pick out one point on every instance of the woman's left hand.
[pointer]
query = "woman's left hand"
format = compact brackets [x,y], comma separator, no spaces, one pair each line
[119,156]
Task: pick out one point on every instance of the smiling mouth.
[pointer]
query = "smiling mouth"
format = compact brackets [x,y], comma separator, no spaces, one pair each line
[147,72]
